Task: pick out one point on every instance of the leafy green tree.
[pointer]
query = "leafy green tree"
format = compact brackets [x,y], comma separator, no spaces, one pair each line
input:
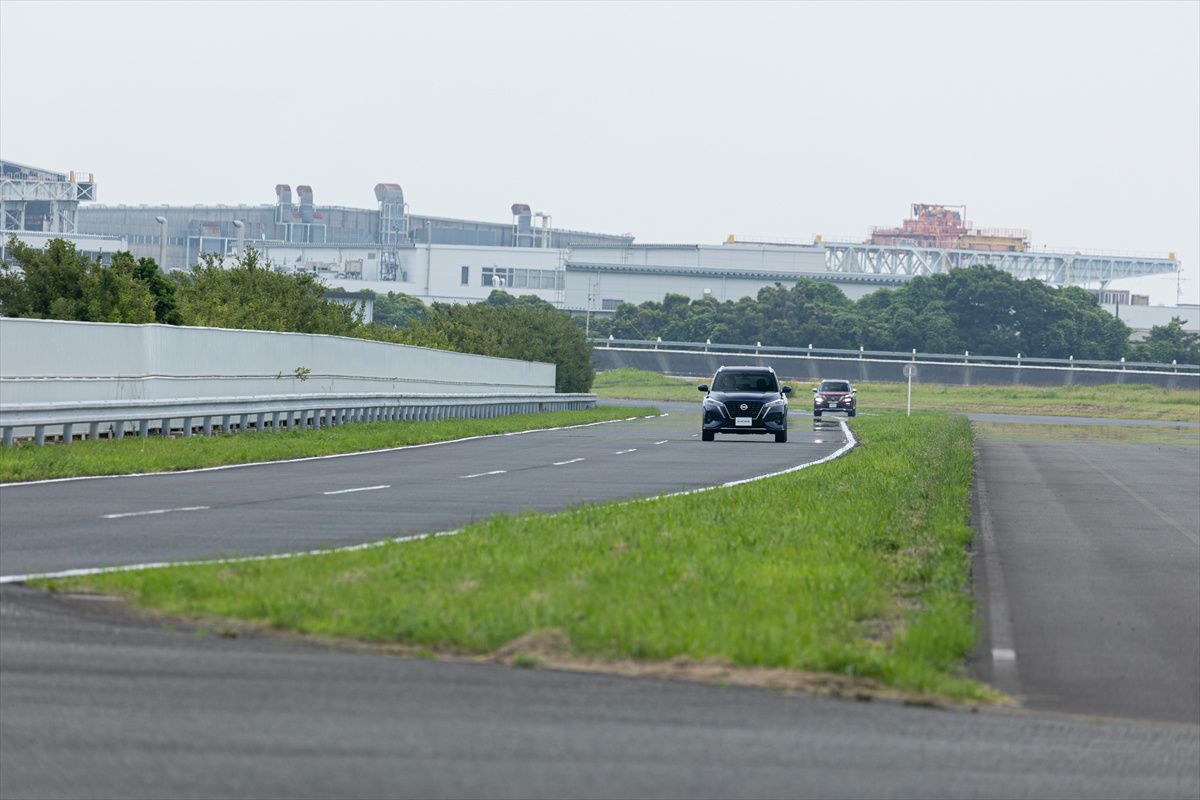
[396,309]
[62,283]
[250,295]
[1170,342]
[531,331]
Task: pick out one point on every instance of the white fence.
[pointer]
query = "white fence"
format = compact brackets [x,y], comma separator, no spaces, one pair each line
[63,378]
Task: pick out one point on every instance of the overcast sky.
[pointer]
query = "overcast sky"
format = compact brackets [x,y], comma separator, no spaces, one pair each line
[676,122]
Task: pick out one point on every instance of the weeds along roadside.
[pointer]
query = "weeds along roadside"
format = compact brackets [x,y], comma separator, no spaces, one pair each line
[159,454]
[857,567]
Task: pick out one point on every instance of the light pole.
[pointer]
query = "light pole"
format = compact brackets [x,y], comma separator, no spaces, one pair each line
[162,243]
[240,227]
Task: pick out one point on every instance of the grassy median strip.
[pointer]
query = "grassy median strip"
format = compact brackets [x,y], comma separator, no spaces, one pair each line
[157,454]
[1126,401]
[856,569]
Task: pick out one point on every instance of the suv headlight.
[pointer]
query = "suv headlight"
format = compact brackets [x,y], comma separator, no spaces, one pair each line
[818,399]
[775,405]
[714,405]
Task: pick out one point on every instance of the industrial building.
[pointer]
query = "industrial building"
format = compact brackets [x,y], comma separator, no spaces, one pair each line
[386,248]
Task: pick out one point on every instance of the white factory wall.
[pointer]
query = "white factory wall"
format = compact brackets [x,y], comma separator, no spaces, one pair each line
[45,361]
[739,256]
[434,273]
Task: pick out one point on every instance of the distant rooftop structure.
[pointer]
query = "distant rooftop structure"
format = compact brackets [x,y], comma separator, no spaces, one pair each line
[41,200]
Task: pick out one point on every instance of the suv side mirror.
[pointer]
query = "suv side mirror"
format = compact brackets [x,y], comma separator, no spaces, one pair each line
[787,390]
[814,390]
[703,387]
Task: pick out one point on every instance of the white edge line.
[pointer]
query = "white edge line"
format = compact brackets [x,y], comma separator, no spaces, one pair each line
[851,443]
[152,512]
[564,463]
[331,455]
[83,572]
[360,489]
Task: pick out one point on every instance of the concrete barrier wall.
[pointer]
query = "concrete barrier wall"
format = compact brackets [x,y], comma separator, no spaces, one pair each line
[50,361]
[803,368]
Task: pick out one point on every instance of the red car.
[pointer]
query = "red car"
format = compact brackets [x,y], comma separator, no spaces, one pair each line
[833,396]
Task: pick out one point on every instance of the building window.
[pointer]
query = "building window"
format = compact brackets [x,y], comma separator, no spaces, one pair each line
[466,276]
[496,277]
[609,305]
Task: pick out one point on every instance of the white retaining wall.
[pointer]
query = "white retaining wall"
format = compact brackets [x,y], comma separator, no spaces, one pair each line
[51,361]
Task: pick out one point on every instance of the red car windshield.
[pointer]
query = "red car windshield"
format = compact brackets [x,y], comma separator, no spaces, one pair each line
[835,386]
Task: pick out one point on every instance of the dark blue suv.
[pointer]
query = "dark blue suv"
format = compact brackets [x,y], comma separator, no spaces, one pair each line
[744,400]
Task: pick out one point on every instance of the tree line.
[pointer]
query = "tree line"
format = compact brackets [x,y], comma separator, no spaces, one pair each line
[62,283]
[979,309]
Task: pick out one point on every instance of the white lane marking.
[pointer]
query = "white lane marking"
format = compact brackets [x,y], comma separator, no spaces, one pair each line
[564,463]
[623,452]
[1005,675]
[482,474]
[360,489]
[664,441]
[18,484]
[75,573]
[83,572]
[152,512]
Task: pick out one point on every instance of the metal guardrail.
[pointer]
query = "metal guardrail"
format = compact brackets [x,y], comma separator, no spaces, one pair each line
[209,415]
[890,355]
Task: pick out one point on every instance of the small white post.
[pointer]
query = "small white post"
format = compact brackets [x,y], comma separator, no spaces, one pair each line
[909,412]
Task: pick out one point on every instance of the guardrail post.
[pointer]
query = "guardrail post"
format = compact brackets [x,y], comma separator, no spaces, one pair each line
[8,437]
[1072,360]
[1122,362]
[243,422]
[67,436]
[39,434]
[1174,366]
[187,426]
[860,352]
[914,354]
[143,428]
[966,356]
[207,425]
[119,429]
[93,431]
[224,423]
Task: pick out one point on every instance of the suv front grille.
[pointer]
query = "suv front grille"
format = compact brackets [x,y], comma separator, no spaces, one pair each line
[752,408]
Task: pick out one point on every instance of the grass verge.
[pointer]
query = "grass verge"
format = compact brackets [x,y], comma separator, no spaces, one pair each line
[1123,401]
[28,462]
[857,569]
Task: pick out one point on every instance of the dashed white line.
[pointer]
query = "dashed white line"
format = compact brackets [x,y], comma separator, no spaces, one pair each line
[153,511]
[1003,654]
[623,452]
[482,474]
[360,489]
[564,463]
[664,441]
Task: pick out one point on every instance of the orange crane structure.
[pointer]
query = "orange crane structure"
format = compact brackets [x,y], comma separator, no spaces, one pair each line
[946,228]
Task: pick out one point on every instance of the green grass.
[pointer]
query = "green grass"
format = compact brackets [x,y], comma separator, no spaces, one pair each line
[1128,401]
[857,567]
[27,461]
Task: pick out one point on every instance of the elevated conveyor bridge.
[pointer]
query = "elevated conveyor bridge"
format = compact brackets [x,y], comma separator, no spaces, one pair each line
[1058,268]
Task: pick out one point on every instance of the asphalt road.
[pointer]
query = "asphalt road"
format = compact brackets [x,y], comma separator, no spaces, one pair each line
[100,703]
[330,502]
[1088,576]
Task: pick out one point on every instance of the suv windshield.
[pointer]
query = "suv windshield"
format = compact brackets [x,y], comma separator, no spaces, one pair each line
[745,382]
[835,386]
